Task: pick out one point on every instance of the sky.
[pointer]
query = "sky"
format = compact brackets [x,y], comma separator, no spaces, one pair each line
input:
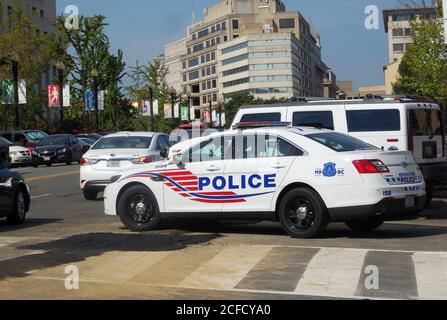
[141,28]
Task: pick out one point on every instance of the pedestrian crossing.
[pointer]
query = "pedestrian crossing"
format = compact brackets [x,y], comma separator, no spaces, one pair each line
[300,271]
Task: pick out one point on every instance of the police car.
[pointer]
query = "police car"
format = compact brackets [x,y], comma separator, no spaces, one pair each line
[302,177]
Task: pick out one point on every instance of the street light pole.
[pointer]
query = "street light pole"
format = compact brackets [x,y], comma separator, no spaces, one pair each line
[60,68]
[189,106]
[15,74]
[94,73]
[211,114]
[151,101]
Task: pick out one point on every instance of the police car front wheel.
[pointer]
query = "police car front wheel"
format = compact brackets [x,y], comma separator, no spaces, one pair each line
[302,213]
[138,209]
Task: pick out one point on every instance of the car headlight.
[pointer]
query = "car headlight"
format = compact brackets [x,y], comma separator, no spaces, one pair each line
[13,153]
[114,179]
[62,150]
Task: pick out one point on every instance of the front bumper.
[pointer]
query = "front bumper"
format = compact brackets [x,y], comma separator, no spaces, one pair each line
[389,209]
[21,159]
[96,186]
[435,174]
[55,158]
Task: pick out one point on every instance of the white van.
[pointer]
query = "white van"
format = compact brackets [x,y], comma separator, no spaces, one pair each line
[390,124]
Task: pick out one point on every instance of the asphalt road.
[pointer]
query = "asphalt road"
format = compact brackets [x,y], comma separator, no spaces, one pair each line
[192,260]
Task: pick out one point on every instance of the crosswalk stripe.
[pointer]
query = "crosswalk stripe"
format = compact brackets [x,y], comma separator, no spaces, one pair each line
[7,241]
[333,272]
[226,269]
[396,277]
[431,275]
[174,268]
[280,270]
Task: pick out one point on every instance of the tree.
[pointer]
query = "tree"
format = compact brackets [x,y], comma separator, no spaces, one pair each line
[423,70]
[21,41]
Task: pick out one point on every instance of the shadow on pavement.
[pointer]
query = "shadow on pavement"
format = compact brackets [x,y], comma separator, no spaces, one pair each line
[29,223]
[81,247]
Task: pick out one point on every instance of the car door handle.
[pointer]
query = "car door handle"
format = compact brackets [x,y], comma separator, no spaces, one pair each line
[213,169]
[279,166]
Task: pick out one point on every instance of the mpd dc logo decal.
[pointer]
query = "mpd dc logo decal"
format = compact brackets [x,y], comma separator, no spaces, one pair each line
[190,186]
[329,170]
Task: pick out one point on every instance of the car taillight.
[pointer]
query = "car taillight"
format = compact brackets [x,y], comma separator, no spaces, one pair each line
[370,166]
[142,160]
[83,162]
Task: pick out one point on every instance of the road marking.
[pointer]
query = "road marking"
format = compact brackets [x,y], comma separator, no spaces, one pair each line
[226,269]
[431,275]
[52,176]
[41,196]
[7,241]
[333,272]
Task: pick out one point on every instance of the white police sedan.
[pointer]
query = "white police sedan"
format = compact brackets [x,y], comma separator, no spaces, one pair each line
[302,177]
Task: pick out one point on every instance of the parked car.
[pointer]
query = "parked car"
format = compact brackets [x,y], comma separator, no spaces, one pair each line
[389,123]
[61,148]
[115,153]
[5,145]
[25,138]
[14,196]
[92,136]
[86,144]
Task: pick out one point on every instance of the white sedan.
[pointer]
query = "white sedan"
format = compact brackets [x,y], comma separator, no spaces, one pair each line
[20,156]
[115,153]
[302,177]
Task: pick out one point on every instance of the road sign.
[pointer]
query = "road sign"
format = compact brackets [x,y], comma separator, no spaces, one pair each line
[89,103]
[53,96]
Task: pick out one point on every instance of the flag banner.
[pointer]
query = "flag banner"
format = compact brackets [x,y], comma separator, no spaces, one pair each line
[168,111]
[176,110]
[101,94]
[66,94]
[8,92]
[89,103]
[155,107]
[192,112]
[146,108]
[53,96]
[205,114]
[184,113]
[22,92]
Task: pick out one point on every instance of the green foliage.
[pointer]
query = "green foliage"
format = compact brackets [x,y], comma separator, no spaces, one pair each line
[423,70]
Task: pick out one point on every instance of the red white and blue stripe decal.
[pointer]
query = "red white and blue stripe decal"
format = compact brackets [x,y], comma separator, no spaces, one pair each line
[186,184]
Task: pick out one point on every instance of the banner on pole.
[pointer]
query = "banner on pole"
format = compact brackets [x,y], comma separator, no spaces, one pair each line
[192,113]
[89,103]
[176,110]
[184,113]
[101,95]
[22,92]
[146,108]
[168,111]
[66,95]
[206,116]
[53,96]
[8,92]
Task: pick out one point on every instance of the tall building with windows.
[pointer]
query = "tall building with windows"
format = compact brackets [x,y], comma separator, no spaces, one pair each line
[254,46]
[173,55]
[400,36]
[44,12]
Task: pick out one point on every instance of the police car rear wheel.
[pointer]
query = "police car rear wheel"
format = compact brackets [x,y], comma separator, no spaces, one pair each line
[138,209]
[302,213]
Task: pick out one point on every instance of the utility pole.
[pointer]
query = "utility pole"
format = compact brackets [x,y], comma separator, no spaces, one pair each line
[15,74]
[95,74]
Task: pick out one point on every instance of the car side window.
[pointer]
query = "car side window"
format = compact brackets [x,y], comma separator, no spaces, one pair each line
[212,150]
[264,146]
[163,142]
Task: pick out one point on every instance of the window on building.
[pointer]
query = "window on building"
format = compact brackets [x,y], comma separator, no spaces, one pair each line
[235,82]
[286,23]
[235,59]
[235,24]
[398,32]
[235,71]
[235,47]
[42,14]
[398,47]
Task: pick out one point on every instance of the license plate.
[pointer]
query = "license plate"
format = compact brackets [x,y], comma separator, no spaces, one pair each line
[410,202]
[113,164]
[46,158]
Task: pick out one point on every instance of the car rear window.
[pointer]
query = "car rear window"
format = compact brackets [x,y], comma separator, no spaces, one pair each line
[425,122]
[321,119]
[260,117]
[340,142]
[373,120]
[53,141]
[123,143]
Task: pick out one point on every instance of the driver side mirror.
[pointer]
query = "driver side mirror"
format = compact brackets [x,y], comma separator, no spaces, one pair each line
[164,153]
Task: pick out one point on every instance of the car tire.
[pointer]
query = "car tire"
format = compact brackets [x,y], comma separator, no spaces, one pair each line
[138,209]
[313,217]
[18,215]
[90,195]
[365,225]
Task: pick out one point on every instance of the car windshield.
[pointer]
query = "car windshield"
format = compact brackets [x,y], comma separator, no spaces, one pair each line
[36,135]
[340,142]
[53,141]
[123,143]
[4,141]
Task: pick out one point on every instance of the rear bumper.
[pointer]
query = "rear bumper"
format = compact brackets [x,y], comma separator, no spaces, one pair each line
[389,209]
[60,158]
[436,174]
[96,186]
